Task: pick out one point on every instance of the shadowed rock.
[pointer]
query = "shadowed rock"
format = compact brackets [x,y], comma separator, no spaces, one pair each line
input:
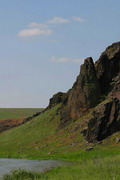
[94,83]
[84,94]
[56,99]
[115,86]
[105,121]
[108,66]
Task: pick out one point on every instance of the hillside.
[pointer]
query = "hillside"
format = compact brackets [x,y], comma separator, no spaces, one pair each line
[14,117]
[39,139]
[87,113]
[79,125]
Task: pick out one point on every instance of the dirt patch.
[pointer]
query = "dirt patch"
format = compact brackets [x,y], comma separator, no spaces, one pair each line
[10,123]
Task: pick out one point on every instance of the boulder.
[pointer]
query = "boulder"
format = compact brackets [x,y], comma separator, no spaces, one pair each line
[117,140]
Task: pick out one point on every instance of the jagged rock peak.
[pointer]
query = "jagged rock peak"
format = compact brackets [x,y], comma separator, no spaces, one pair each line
[108,66]
[56,99]
[89,61]
[112,50]
[87,72]
[84,93]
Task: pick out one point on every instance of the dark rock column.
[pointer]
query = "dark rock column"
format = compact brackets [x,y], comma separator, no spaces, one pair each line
[84,94]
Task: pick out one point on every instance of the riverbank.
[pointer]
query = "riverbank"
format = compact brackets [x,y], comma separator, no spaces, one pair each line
[93,169]
[96,164]
[9,165]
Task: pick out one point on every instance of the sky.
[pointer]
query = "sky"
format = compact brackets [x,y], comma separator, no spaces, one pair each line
[44,42]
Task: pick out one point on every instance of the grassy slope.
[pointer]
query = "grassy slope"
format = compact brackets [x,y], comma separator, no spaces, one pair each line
[11,113]
[27,139]
[38,139]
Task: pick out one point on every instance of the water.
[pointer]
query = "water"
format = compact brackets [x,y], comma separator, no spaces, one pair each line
[8,165]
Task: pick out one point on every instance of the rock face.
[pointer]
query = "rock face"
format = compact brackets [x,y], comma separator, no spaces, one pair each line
[84,94]
[56,99]
[115,87]
[94,82]
[105,121]
[108,66]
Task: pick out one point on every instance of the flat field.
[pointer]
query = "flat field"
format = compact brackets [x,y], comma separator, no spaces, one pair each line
[15,113]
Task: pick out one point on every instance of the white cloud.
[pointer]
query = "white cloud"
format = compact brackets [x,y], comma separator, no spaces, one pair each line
[34,32]
[37,29]
[58,20]
[38,25]
[77,19]
[66,59]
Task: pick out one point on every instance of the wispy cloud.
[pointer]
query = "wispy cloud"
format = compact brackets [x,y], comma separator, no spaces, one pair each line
[34,32]
[58,20]
[66,59]
[38,25]
[77,19]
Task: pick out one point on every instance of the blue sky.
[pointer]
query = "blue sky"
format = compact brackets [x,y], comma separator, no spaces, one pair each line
[44,42]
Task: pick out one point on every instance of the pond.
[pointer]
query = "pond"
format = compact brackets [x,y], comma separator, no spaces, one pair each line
[8,165]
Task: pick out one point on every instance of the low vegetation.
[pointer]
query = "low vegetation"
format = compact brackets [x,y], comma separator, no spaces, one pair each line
[95,169]
[41,139]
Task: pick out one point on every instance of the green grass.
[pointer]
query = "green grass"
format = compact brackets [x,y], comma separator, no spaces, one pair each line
[41,139]
[11,113]
[29,139]
[94,169]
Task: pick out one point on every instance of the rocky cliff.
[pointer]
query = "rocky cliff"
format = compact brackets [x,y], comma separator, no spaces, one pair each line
[84,94]
[104,122]
[96,87]
[108,66]
[56,99]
